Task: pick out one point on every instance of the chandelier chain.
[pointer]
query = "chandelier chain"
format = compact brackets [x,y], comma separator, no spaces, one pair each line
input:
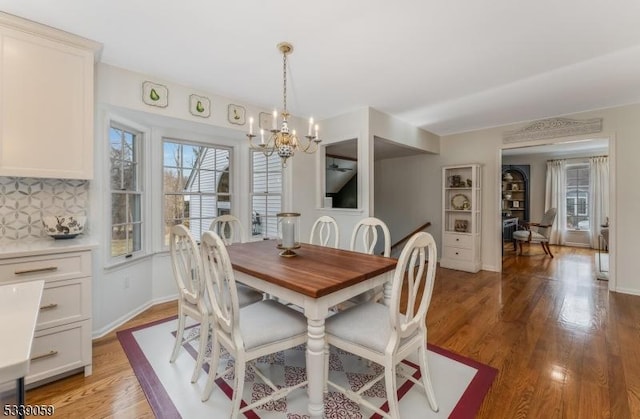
[284,89]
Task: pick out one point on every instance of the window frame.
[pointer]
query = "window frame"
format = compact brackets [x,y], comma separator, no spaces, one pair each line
[267,194]
[192,143]
[139,159]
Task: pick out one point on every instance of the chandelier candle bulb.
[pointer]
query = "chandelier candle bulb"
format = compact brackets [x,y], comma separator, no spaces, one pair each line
[251,126]
[274,124]
[317,133]
[261,136]
[310,126]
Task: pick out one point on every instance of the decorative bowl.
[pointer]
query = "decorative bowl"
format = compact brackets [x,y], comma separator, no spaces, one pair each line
[63,226]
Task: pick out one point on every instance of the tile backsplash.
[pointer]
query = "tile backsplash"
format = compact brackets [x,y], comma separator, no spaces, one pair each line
[23,202]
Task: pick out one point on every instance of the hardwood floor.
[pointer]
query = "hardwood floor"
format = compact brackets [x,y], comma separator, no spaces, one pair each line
[564,346]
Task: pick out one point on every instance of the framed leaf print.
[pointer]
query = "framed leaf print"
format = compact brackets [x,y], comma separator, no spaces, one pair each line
[155,94]
[199,106]
[236,114]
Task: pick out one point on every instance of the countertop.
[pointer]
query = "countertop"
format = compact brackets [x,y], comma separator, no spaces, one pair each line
[19,307]
[45,245]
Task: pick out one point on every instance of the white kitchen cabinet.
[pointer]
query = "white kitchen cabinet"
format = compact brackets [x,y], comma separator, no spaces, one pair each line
[46,101]
[461,217]
[62,340]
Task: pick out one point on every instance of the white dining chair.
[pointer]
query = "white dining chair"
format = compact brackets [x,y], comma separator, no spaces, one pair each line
[323,229]
[256,330]
[385,335]
[187,272]
[364,238]
[229,228]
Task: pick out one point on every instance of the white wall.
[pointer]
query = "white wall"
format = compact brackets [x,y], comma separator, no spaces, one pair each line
[400,198]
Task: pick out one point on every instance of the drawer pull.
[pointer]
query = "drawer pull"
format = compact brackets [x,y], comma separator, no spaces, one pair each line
[43,356]
[457,240]
[30,271]
[457,253]
[49,306]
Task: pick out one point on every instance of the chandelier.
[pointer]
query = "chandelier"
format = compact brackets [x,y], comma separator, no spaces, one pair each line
[283,141]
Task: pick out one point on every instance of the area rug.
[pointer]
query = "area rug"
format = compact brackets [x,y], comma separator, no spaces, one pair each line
[460,383]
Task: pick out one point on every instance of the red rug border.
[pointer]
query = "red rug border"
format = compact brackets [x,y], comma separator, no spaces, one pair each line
[153,390]
[163,406]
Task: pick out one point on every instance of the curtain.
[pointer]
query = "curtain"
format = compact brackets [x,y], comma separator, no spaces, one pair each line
[598,195]
[555,196]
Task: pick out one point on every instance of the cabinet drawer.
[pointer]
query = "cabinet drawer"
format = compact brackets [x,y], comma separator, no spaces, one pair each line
[60,349]
[49,267]
[64,302]
[457,253]
[458,240]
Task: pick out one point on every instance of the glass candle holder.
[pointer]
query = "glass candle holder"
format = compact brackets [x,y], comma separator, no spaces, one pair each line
[288,233]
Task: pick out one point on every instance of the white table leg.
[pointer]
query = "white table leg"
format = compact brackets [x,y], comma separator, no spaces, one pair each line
[315,366]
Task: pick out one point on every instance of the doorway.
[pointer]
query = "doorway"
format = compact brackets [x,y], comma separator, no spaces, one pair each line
[578,226]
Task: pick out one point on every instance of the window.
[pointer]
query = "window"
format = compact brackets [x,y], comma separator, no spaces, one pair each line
[126,191]
[266,193]
[577,197]
[196,183]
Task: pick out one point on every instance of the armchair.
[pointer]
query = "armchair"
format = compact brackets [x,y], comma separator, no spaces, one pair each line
[540,233]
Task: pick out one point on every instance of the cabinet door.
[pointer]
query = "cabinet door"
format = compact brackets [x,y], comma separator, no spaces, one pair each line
[46,109]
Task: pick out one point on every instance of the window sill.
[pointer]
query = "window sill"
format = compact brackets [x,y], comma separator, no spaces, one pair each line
[126,262]
[343,210]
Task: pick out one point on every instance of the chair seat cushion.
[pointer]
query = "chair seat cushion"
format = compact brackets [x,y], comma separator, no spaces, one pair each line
[268,322]
[350,325]
[524,235]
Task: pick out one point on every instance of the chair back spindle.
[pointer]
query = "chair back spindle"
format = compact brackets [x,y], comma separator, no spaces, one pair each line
[367,231]
[323,229]
[418,262]
[186,264]
[229,228]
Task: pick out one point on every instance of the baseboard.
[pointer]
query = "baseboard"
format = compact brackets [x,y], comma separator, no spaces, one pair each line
[130,315]
[490,268]
[629,291]
[571,244]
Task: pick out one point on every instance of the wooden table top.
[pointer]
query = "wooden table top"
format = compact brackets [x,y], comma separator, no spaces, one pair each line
[315,271]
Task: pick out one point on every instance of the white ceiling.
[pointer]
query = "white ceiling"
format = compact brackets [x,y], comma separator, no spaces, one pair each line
[446,66]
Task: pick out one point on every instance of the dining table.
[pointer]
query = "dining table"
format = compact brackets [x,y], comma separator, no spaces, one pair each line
[317,280]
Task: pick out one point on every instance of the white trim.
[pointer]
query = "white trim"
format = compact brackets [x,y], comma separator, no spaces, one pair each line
[145,189]
[490,268]
[50,33]
[321,178]
[96,334]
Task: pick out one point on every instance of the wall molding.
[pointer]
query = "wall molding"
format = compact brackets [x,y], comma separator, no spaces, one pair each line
[553,128]
[96,334]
